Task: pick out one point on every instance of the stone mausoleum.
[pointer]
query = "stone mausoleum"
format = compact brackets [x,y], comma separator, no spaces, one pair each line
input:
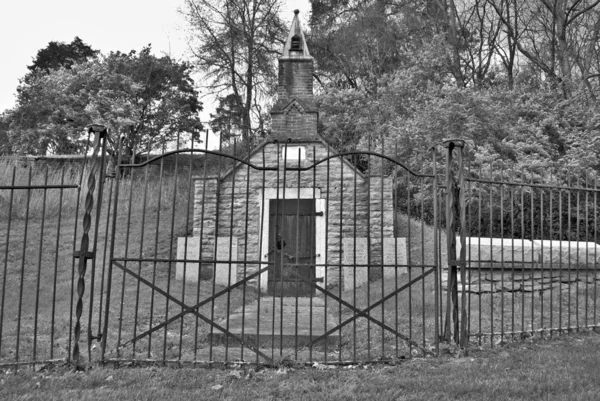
[305,212]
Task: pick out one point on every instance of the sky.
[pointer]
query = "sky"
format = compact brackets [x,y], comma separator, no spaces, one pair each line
[27,26]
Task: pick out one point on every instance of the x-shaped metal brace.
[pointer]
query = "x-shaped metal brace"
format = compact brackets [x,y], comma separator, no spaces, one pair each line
[364,312]
[193,309]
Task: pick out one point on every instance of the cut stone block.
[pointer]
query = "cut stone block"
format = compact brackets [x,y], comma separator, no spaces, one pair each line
[394,253]
[192,270]
[568,254]
[489,252]
[226,273]
[358,273]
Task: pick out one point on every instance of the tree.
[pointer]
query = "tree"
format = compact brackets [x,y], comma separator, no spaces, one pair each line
[147,99]
[556,37]
[235,44]
[60,54]
[5,148]
[227,120]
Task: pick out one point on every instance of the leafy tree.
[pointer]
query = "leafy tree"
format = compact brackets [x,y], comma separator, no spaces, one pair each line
[60,54]
[235,44]
[5,148]
[227,120]
[558,37]
[146,99]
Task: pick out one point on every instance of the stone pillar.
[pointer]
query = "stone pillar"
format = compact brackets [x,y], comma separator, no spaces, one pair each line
[201,246]
[381,203]
[205,213]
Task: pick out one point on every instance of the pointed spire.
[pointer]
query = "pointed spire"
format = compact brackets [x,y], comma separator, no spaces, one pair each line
[295,44]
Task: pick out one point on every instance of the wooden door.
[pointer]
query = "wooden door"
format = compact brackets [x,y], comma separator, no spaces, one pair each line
[291,246]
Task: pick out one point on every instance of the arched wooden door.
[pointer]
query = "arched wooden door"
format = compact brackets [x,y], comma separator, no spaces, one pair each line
[291,246]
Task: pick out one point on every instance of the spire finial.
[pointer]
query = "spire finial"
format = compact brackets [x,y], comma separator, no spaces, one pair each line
[295,45]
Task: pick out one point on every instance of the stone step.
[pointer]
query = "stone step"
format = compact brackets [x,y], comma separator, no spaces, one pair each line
[301,324]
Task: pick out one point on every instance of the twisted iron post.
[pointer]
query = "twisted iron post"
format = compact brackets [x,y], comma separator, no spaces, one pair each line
[84,254]
[454,209]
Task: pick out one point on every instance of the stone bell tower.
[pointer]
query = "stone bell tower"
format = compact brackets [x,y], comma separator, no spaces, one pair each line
[294,115]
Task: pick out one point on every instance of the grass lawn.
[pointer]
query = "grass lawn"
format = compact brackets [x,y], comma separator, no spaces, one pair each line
[564,368]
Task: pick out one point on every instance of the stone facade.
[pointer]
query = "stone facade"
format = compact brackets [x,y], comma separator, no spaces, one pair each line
[352,206]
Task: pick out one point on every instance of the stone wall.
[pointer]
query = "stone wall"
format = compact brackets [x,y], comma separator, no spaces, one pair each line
[519,265]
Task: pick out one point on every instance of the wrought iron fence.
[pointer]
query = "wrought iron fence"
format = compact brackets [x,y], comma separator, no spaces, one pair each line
[290,254]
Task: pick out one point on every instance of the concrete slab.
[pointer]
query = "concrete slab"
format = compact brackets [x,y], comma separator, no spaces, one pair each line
[497,250]
[287,322]
[568,254]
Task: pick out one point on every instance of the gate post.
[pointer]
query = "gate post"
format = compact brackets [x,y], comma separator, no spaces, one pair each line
[455,210]
[100,136]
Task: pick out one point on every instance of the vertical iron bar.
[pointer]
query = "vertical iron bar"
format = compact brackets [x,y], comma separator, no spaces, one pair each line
[479,235]
[285,160]
[512,236]
[297,267]
[39,267]
[175,183]
[23,256]
[263,216]
[587,239]
[313,229]
[111,253]
[214,250]
[422,228]
[382,258]
[55,278]
[245,260]
[577,241]
[569,239]
[464,335]
[185,243]
[560,237]
[501,186]
[140,256]
[532,225]
[369,244]
[551,267]
[230,251]
[200,239]
[409,261]
[126,254]
[5,274]
[436,251]
[340,282]
[326,257]
[595,248]
[542,254]
[106,246]
[354,254]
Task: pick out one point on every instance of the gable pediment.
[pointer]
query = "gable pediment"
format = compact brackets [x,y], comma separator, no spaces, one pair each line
[294,106]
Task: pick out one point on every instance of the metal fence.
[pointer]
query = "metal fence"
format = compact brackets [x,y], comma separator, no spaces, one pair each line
[291,254]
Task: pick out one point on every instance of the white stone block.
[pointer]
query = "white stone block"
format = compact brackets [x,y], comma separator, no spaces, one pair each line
[226,273]
[357,274]
[568,254]
[192,270]
[497,250]
[394,253]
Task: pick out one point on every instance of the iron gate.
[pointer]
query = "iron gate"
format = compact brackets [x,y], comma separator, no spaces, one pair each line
[202,254]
